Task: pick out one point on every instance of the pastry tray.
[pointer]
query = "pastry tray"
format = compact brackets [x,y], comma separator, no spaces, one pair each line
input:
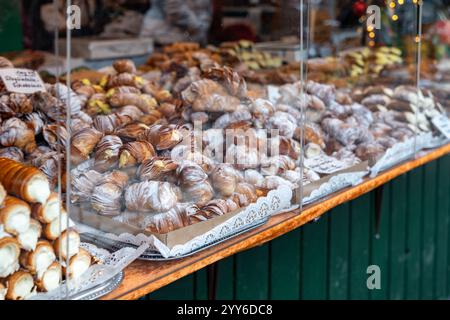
[99,290]
[151,255]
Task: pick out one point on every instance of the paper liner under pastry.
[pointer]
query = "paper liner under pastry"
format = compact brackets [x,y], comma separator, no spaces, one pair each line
[9,256]
[20,286]
[51,278]
[65,250]
[15,215]
[28,239]
[40,259]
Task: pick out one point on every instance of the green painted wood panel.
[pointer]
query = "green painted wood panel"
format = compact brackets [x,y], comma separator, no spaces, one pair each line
[10,26]
[285,267]
[338,253]
[328,259]
[442,216]
[360,210]
[428,231]
[398,207]
[314,262]
[414,234]
[252,274]
[379,246]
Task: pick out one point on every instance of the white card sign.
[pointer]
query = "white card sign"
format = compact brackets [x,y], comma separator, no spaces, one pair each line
[21,80]
[324,164]
[442,123]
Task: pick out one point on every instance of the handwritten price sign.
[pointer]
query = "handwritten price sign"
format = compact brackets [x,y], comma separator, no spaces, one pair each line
[21,80]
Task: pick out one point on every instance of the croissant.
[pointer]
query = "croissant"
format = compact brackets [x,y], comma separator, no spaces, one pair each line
[54,229]
[153,117]
[38,260]
[49,164]
[12,153]
[51,278]
[20,286]
[122,89]
[224,179]
[25,182]
[83,143]
[211,209]
[107,124]
[48,211]
[78,264]
[166,222]
[29,238]
[143,101]
[124,79]
[131,112]
[15,133]
[107,153]
[151,196]
[9,251]
[157,168]
[131,132]
[254,177]
[124,65]
[135,153]
[68,244]
[15,215]
[162,137]
[230,80]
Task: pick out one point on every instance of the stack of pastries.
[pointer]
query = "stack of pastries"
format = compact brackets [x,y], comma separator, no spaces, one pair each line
[38,247]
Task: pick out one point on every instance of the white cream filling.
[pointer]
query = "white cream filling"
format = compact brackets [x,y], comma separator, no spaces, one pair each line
[78,267]
[60,225]
[8,261]
[2,293]
[19,221]
[39,190]
[43,259]
[52,210]
[3,233]
[52,278]
[29,238]
[74,245]
[24,287]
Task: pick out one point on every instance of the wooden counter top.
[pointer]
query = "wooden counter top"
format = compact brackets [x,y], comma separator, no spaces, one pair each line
[143,277]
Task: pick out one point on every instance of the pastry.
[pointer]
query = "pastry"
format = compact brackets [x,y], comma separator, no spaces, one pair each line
[68,244]
[224,179]
[166,222]
[54,229]
[9,254]
[15,133]
[28,239]
[20,286]
[151,196]
[83,143]
[48,211]
[15,215]
[50,279]
[25,182]
[78,264]
[157,168]
[38,260]
[107,153]
[134,153]
[162,137]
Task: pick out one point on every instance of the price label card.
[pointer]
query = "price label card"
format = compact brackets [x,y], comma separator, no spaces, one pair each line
[324,164]
[21,80]
[442,123]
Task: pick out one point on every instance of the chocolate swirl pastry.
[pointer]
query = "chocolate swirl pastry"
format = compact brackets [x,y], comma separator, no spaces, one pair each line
[136,152]
[109,123]
[83,143]
[144,102]
[35,122]
[153,117]
[225,179]
[15,133]
[83,185]
[15,105]
[157,168]
[163,137]
[245,194]
[277,165]
[106,199]
[123,79]
[107,153]
[55,135]
[151,196]
[165,222]
[132,131]
[12,153]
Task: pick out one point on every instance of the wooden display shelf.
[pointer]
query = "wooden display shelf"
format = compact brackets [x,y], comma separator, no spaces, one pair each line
[143,277]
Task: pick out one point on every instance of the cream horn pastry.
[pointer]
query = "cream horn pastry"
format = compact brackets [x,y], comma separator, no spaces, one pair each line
[3,291]
[50,278]
[54,229]
[2,195]
[38,260]
[28,239]
[20,286]
[68,244]
[15,215]
[25,182]
[9,256]
[48,211]
[78,264]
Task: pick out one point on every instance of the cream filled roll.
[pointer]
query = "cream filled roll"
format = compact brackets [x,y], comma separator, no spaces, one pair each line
[15,215]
